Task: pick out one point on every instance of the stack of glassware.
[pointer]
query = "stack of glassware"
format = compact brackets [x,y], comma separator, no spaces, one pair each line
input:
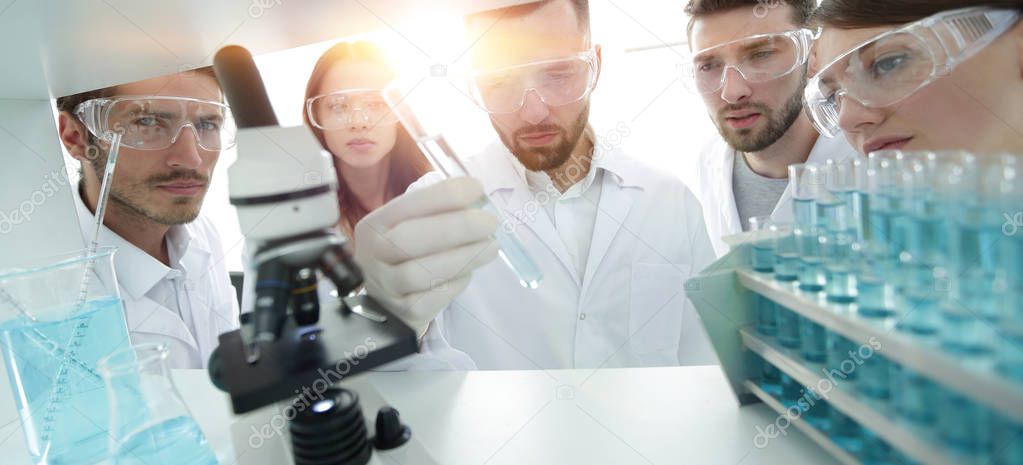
[927,243]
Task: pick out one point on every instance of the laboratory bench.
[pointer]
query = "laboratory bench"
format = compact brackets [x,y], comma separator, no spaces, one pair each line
[675,415]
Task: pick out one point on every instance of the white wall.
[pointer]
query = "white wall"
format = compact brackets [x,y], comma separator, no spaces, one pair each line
[640,100]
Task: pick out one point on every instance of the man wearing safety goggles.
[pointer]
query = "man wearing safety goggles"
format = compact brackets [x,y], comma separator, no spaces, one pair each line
[749,64]
[169,259]
[615,239]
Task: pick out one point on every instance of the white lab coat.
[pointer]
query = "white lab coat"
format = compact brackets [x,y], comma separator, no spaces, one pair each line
[628,309]
[199,277]
[714,186]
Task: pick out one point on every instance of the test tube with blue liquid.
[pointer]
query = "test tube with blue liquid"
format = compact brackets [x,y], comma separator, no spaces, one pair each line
[845,431]
[970,317]
[807,182]
[407,106]
[1010,326]
[838,239]
[763,244]
[964,424]
[878,263]
[786,255]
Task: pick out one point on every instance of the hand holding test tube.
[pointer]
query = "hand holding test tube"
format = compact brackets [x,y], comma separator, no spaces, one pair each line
[446,161]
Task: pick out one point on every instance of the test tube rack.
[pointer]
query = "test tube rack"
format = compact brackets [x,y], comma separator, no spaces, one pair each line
[725,296]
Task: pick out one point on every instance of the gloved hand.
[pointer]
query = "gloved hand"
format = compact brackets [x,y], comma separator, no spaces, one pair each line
[418,251]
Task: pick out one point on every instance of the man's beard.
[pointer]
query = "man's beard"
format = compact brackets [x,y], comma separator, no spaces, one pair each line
[546,158]
[129,198]
[778,123]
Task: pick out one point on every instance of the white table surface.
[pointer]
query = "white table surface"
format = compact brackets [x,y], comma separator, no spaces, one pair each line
[619,416]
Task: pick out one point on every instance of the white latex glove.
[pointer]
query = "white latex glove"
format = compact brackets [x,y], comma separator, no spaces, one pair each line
[418,251]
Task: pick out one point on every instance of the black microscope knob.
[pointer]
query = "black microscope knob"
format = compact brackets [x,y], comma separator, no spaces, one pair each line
[390,432]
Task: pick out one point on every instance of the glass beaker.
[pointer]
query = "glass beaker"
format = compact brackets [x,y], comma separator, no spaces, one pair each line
[58,318]
[149,422]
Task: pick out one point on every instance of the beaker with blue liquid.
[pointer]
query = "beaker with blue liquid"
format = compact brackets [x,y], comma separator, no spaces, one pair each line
[58,318]
[149,422]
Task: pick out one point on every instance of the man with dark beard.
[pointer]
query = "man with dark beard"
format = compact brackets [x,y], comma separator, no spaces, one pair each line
[749,64]
[169,259]
[615,239]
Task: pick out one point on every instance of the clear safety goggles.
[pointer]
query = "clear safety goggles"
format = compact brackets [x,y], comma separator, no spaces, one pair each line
[557,82]
[892,66]
[156,122]
[757,58]
[346,108]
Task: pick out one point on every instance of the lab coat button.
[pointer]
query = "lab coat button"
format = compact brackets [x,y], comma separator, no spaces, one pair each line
[582,316]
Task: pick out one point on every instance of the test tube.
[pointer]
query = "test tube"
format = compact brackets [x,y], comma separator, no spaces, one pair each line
[763,245]
[446,161]
[877,268]
[813,341]
[788,328]
[964,424]
[786,255]
[838,237]
[807,184]
[1010,345]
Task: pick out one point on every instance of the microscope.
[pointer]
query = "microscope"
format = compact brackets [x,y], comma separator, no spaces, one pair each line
[285,190]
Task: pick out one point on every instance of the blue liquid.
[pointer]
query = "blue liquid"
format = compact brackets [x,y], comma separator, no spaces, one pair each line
[846,433]
[914,396]
[813,345]
[811,269]
[840,357]
[791,390]
[881,230]
[1012,258]
[811,275]
[920,315]
[841,284]
[874,296]
[965,334]
[1008,445]
[964,424]
[861,216]
[76,423]
[178,441]
[786,267]
[819,414]
[788,328]
[872,379]
[875,450]
[767,316]
[974,265]
[763,257]
[770,377]
[1010,353]
[928,231]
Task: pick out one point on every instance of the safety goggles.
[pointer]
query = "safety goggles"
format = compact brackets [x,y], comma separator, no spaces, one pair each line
[557,82]
[892,66]
[757,58]
[156,122]
[346,108]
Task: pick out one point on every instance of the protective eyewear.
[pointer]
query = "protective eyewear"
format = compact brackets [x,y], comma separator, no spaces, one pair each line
[346,108]
[758,58]
[156,122]
[557,82]
[892,66]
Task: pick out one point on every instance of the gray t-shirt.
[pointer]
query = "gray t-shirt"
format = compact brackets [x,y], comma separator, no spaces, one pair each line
[755,195]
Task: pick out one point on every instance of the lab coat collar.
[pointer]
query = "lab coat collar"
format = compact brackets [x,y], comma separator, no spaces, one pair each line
[138,271]
[502,174]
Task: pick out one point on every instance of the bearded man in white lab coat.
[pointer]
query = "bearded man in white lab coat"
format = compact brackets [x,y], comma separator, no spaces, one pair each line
[749,63]
[616,240]
[169,259]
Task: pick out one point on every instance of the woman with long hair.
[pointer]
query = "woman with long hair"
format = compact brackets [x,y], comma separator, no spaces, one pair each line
[375,158]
